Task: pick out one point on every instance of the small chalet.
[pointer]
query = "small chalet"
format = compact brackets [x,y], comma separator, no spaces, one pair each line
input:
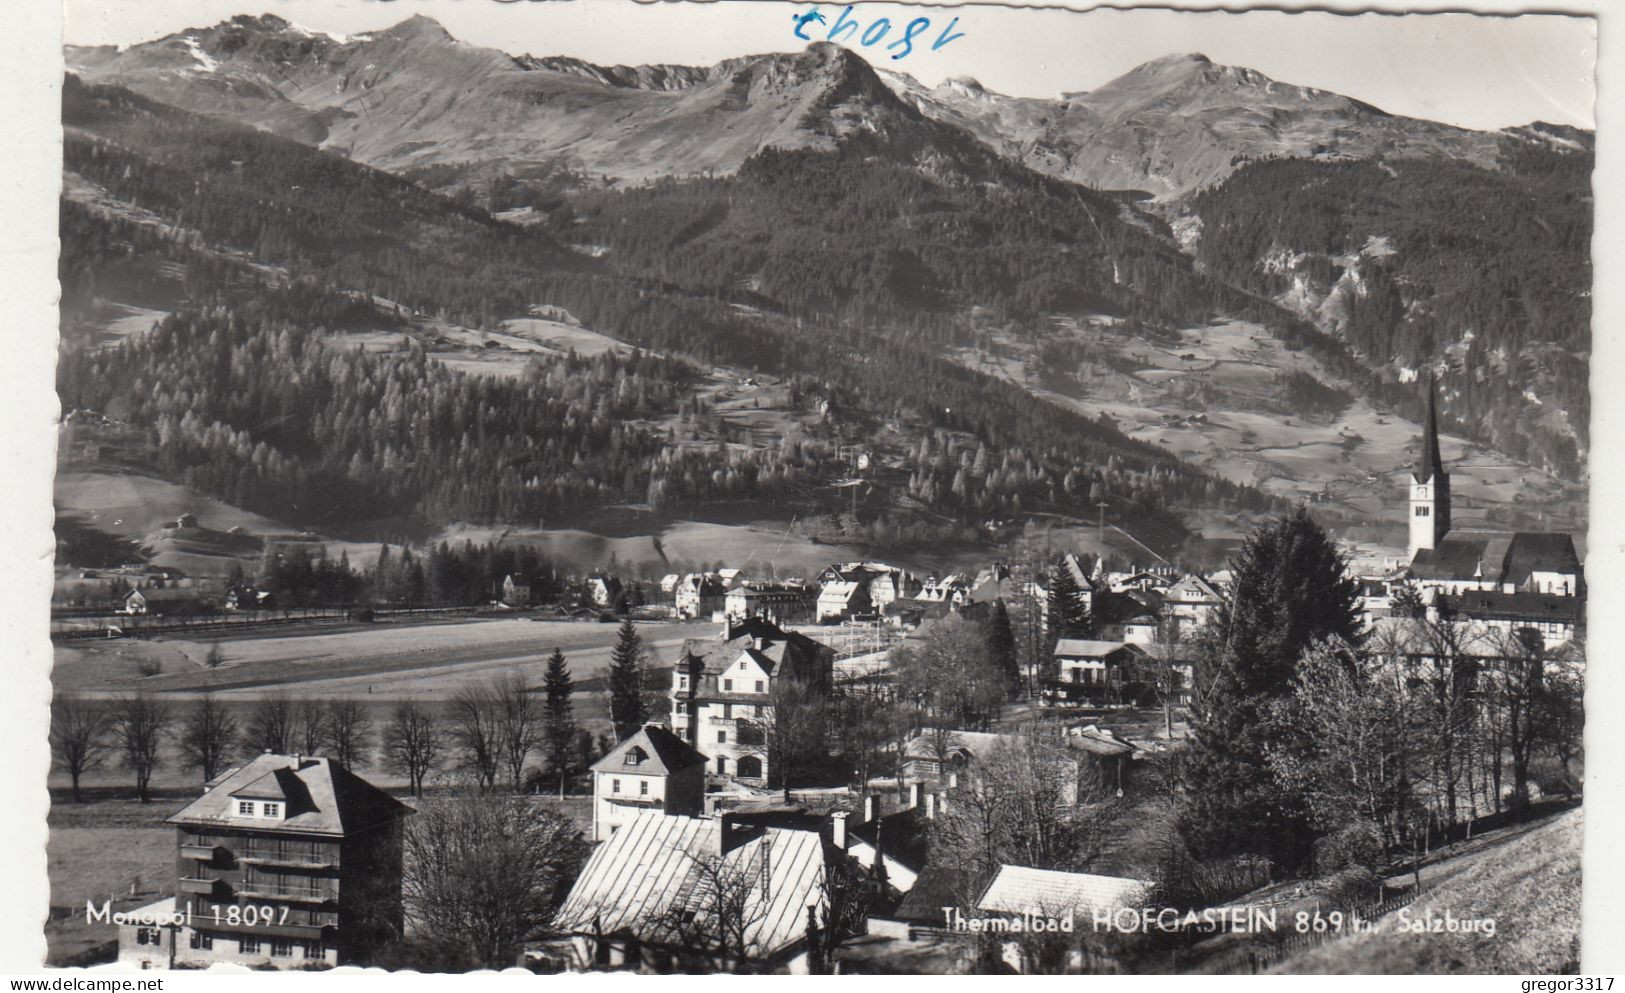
[515,591]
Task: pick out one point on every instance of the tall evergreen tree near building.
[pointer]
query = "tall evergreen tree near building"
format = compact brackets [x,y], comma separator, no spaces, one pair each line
[626,705]
[1068,617]
[1001,645]
[1291,589]
[561,725]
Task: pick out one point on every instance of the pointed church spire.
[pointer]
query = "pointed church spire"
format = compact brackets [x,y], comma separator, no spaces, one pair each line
[1429,465]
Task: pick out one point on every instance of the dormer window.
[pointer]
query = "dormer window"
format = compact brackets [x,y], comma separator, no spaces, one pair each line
[272,810]
[245,808]
[635,756]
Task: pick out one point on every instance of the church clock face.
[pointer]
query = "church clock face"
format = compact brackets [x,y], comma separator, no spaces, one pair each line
[1421,493]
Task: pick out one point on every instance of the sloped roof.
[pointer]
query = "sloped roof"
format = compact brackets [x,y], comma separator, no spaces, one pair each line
[1532,551]
[665,753]
[1456,558]
[717,654]
[923,746]
[166,594]
[1086,648]
[322,797]
[937,886]
[1018,890]
[1097,742]
[1194,584]
[635,878]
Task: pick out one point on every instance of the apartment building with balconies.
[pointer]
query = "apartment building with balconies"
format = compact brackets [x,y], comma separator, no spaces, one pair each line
[288,861]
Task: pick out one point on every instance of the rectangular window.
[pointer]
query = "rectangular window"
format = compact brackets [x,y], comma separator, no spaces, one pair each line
[761,687]
[282,947]
[614,785]
[273,810]
[245,808]
[722,737]
[682,707]
[314,950]
[1423,511]
[727,686]
[248,946]
[643,787]
[202,940]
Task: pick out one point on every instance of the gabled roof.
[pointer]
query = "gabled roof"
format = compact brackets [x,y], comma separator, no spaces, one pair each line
[1083,648]
[1019,890]
[664,753]
[166,594]
[322,797]
[653,865]
[1193,584]
[937,886]
[806,657]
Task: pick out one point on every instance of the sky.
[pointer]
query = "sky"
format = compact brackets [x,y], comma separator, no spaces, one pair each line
[1470,70]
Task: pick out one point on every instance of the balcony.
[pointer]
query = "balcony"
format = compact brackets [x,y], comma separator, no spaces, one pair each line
[306,859]
[200,852]
[293,894]
[197,885]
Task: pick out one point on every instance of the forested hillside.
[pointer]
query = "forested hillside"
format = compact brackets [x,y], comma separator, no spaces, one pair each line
[1483,275]
[246,398]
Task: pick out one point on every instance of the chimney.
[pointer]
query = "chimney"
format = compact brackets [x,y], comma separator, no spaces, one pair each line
[869,802]
[724,827]
[837,829]
[930,806]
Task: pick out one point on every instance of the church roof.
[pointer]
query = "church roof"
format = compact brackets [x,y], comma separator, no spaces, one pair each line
[1456,558]
[1532,551]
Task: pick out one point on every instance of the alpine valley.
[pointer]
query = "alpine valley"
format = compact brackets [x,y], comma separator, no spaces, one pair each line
[396,287]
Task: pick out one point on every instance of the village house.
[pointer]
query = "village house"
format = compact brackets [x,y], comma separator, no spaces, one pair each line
[652,769]
[1134,616]
[604,591]
[1190,604]
[676,893]
[515,591]
[781,603]
[285,862]
[164,602]
[722,690]
[699,595]
[937,756]
[842,599]
[1089,671]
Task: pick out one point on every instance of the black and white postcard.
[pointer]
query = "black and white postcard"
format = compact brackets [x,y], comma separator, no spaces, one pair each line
[819,488]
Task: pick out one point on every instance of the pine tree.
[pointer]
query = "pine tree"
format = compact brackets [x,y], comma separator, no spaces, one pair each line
[1001,645]
[626,708]
[1067,616]
[561,726]
[1290,590]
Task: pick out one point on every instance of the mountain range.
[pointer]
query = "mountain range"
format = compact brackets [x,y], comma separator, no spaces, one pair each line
[1105,289]
[414,96]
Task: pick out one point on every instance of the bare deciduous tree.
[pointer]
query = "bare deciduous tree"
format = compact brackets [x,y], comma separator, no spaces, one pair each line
[140,723]
[475,729]
[521,725]
[81,733]
[270,726]
[412,742]
[207,735]
[484,874]
[349,732]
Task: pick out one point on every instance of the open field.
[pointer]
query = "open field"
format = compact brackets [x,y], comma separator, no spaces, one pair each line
[1527,878]
[385,661]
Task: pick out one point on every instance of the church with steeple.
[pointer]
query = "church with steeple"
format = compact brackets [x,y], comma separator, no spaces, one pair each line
[1430,486]
[1513,579]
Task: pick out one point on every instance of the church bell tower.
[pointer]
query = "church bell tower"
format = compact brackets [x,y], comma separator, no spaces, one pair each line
[1430,485]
